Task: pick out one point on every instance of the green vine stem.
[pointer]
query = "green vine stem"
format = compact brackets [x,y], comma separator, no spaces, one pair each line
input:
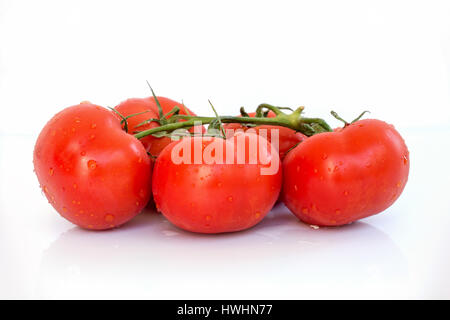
[294,120]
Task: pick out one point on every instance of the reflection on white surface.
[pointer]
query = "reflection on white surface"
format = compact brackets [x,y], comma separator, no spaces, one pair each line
[279,258]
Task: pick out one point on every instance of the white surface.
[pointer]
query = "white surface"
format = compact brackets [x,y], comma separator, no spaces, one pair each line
[391,57]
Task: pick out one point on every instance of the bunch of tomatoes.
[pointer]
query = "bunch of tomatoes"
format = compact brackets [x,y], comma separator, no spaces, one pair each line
[100,167]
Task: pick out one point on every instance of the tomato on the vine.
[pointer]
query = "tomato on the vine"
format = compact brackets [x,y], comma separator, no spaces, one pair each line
[287,138]
[212,197]
[91,171]
[335,178]
[142,109]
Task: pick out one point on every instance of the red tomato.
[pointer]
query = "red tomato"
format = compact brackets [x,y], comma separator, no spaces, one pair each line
[137,105]
[335,178]
[210,197]
[91,171]
[287,138]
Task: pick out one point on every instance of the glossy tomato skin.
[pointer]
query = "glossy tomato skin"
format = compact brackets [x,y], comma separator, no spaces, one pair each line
[287,138]
[335,178]
[214,198]
[92,172]
[148,105]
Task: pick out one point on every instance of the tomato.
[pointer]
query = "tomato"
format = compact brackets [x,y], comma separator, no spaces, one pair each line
[287,138]
[209,197]
[148,105]
[335,178]
[92,172]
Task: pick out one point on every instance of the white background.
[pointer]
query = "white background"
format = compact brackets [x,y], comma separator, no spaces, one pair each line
[391,57]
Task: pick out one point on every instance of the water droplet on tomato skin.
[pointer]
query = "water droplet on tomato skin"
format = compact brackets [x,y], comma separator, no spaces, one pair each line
[315,170]
[109,218]
[93,126]
[257,214]
[92,137]
[51,171]
[208,218]
[295,187]
[405,160]
[305,210]
[230,199]
[399,184]
[219,184]
[338,211]
[345,193]
[92,164]
[83,153]
[324,156]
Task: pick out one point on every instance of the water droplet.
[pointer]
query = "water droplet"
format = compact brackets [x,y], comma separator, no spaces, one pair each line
[230,199]
[315,170]
[219,184]
[51,171]
[140,160]
[74,186]
[295,187]
[92,137]
[336,168]
[74,202]
[64,209]
[345,193]
[305,210]
[142,193]
[83,153]
[109,218]
[399,184]
[298,168]
[405,160]
[208,218]
[324,156]
[93,126]
[338,211]
[77,120]
[137,203]
[257,214]
[81,211]
[73,129]
[92,164]
[45,189]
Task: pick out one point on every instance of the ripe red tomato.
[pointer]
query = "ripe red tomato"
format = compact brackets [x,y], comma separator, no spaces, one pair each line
[335,178]
[91,171]
[287,138]
[212,198]
[132,106]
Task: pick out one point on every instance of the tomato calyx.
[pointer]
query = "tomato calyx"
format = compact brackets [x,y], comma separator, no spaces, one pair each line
[334,114]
